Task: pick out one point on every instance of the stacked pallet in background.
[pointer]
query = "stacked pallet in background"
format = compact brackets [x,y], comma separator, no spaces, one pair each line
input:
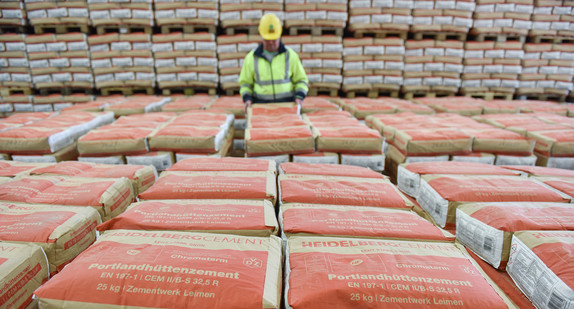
[60,61]
[57,102]
[122,62]
[315,18]
[58,17]
[14,68]
[186,16]
[244,17]
[442,20]
[121,17]
[373,66]
[432,66]
[13,16]
[547,70]
[491,69]
[231,51]
[322,58]
[186,62]
[502,20]
[380,18]
[551,22]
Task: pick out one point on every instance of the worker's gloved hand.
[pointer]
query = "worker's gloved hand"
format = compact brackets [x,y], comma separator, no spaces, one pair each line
[247,105]
[299,102]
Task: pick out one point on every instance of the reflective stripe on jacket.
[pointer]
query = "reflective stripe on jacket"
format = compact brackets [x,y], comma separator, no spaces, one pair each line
[281,80]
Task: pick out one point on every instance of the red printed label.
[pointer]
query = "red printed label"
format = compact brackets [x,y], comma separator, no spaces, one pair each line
[319,280]
[220,164]
[329,170]
[458,168]
[86,194]
[170,216]
[206,187]
[516,218]
[161,276]
[563,186]
[33,227]
[318,191]
[359,223]
[509,189]
[23,190]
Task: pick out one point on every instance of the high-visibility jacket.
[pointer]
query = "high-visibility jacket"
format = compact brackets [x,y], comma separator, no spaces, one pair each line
[281,80]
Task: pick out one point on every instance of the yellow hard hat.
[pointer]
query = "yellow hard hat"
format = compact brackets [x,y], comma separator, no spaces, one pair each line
[270,27]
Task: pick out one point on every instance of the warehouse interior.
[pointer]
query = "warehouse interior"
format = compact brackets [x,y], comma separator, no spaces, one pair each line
[430,164]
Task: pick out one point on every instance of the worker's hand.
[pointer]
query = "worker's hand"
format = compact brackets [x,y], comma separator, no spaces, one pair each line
[247,105]
[299,102]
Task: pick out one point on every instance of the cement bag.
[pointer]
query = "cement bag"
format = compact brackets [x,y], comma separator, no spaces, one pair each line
[357,139]
[139,104]
[151,120]
[504,282]
[554,143]
[109,197]
[182,104]
[159,160]
[112,140]
[355,221]
[273,109]
[397,156]
[565,185]
[499,141]
[116,160]
[289,120]
[515,160]
[239,217]
[63,232]
[317,158]
[541,263]
[142,177]
[432,142]
[367,273]
[555,162]
[67,153]
[487,228]
[223,164]
[165,269]
[328,170]
[376,162]
[341,191]
[23,269]
[213,185]
[315,104]
[541,171]
[204,118]
[277,141]
[188,139]
[409,175]
[440,195]
[475,157]
[15,169]
[28,140]
[233,105]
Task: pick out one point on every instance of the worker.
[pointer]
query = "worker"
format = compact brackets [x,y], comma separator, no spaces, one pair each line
[272,72]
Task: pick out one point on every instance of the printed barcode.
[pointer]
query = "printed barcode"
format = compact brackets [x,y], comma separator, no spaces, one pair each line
[556,301]
[488,244]
[437,209]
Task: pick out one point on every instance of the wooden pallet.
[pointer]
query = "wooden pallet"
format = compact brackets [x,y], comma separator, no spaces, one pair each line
[65,91]
[103,29]
[315,91]
[4,92]
[543,97]
[165,29]
[315,31]
[439,36]
[127,91]
[4,29]
[551,39]
[61,28]
[189,91]
[252,30]
[490,95]
[499,37]
[380,34]
[231,92]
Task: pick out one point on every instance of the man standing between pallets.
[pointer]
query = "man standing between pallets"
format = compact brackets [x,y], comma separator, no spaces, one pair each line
[272,72]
